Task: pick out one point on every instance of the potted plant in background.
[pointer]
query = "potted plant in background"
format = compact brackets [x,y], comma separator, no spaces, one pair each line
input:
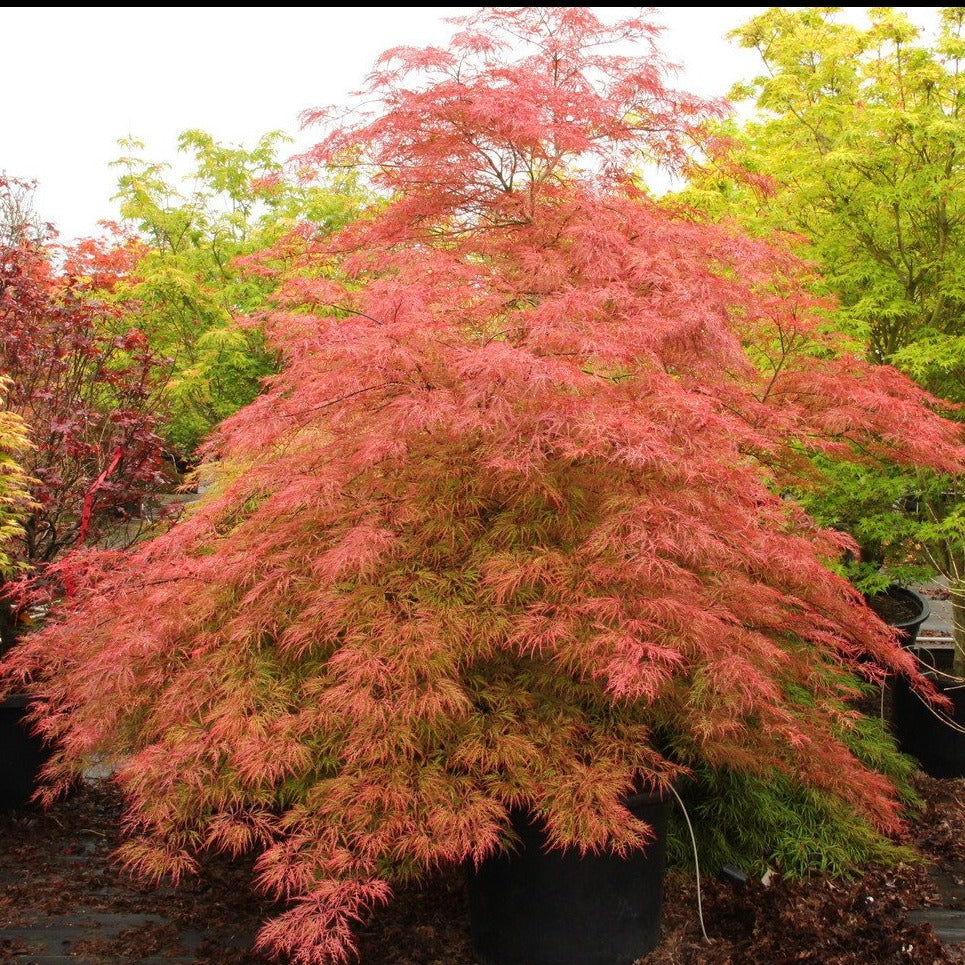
[904,535]
[903,608]
[935,735]
[506,534]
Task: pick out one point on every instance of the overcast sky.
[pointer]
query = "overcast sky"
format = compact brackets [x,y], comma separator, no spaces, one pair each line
[77,79]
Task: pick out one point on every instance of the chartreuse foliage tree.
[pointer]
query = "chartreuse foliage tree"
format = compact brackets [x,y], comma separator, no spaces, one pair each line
[188,289]
[506,528]
[857,147]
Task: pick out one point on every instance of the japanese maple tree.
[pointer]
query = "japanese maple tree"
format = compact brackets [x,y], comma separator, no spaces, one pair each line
[80,383]
[508,528]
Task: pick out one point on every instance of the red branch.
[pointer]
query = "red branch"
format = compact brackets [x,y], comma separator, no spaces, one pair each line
[89,496]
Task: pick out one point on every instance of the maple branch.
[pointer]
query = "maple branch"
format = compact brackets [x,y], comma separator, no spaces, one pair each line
[353,311]
[341,398]
[786,346]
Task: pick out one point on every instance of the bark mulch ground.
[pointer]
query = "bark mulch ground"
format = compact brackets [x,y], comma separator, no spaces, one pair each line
[62,900]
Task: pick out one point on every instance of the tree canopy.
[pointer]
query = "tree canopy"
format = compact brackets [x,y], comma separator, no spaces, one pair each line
[509,527]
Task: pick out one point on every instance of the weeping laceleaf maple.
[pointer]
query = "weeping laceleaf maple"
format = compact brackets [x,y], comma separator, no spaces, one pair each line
[507,529]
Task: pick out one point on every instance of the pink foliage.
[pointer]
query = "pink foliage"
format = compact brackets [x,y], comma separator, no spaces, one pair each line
[511,510]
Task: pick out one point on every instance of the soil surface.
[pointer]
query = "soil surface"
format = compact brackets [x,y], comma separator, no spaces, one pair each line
[62,900]
[894,609]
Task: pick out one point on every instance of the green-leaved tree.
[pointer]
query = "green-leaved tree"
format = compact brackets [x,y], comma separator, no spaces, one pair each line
[197,304]
[855,155]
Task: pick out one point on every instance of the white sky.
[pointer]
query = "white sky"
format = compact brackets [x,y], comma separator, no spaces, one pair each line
[77,79]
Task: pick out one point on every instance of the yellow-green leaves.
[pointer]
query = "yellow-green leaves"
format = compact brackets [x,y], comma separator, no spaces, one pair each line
[14,494]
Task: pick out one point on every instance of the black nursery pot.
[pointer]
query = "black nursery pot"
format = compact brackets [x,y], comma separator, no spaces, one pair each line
[932,735]
[22,754]
[902,608]
[539,907]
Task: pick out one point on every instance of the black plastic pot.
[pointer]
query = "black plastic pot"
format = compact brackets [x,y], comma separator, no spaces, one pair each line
[539,907]
[905,610]
[935,737]
[901,600]
[22,754]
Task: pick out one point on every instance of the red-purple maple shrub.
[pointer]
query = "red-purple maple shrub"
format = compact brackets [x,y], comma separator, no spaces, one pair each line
[507,530]
[83,388]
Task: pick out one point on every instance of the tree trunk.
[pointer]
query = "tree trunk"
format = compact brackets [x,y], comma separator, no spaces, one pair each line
[8,625]
[957,589]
